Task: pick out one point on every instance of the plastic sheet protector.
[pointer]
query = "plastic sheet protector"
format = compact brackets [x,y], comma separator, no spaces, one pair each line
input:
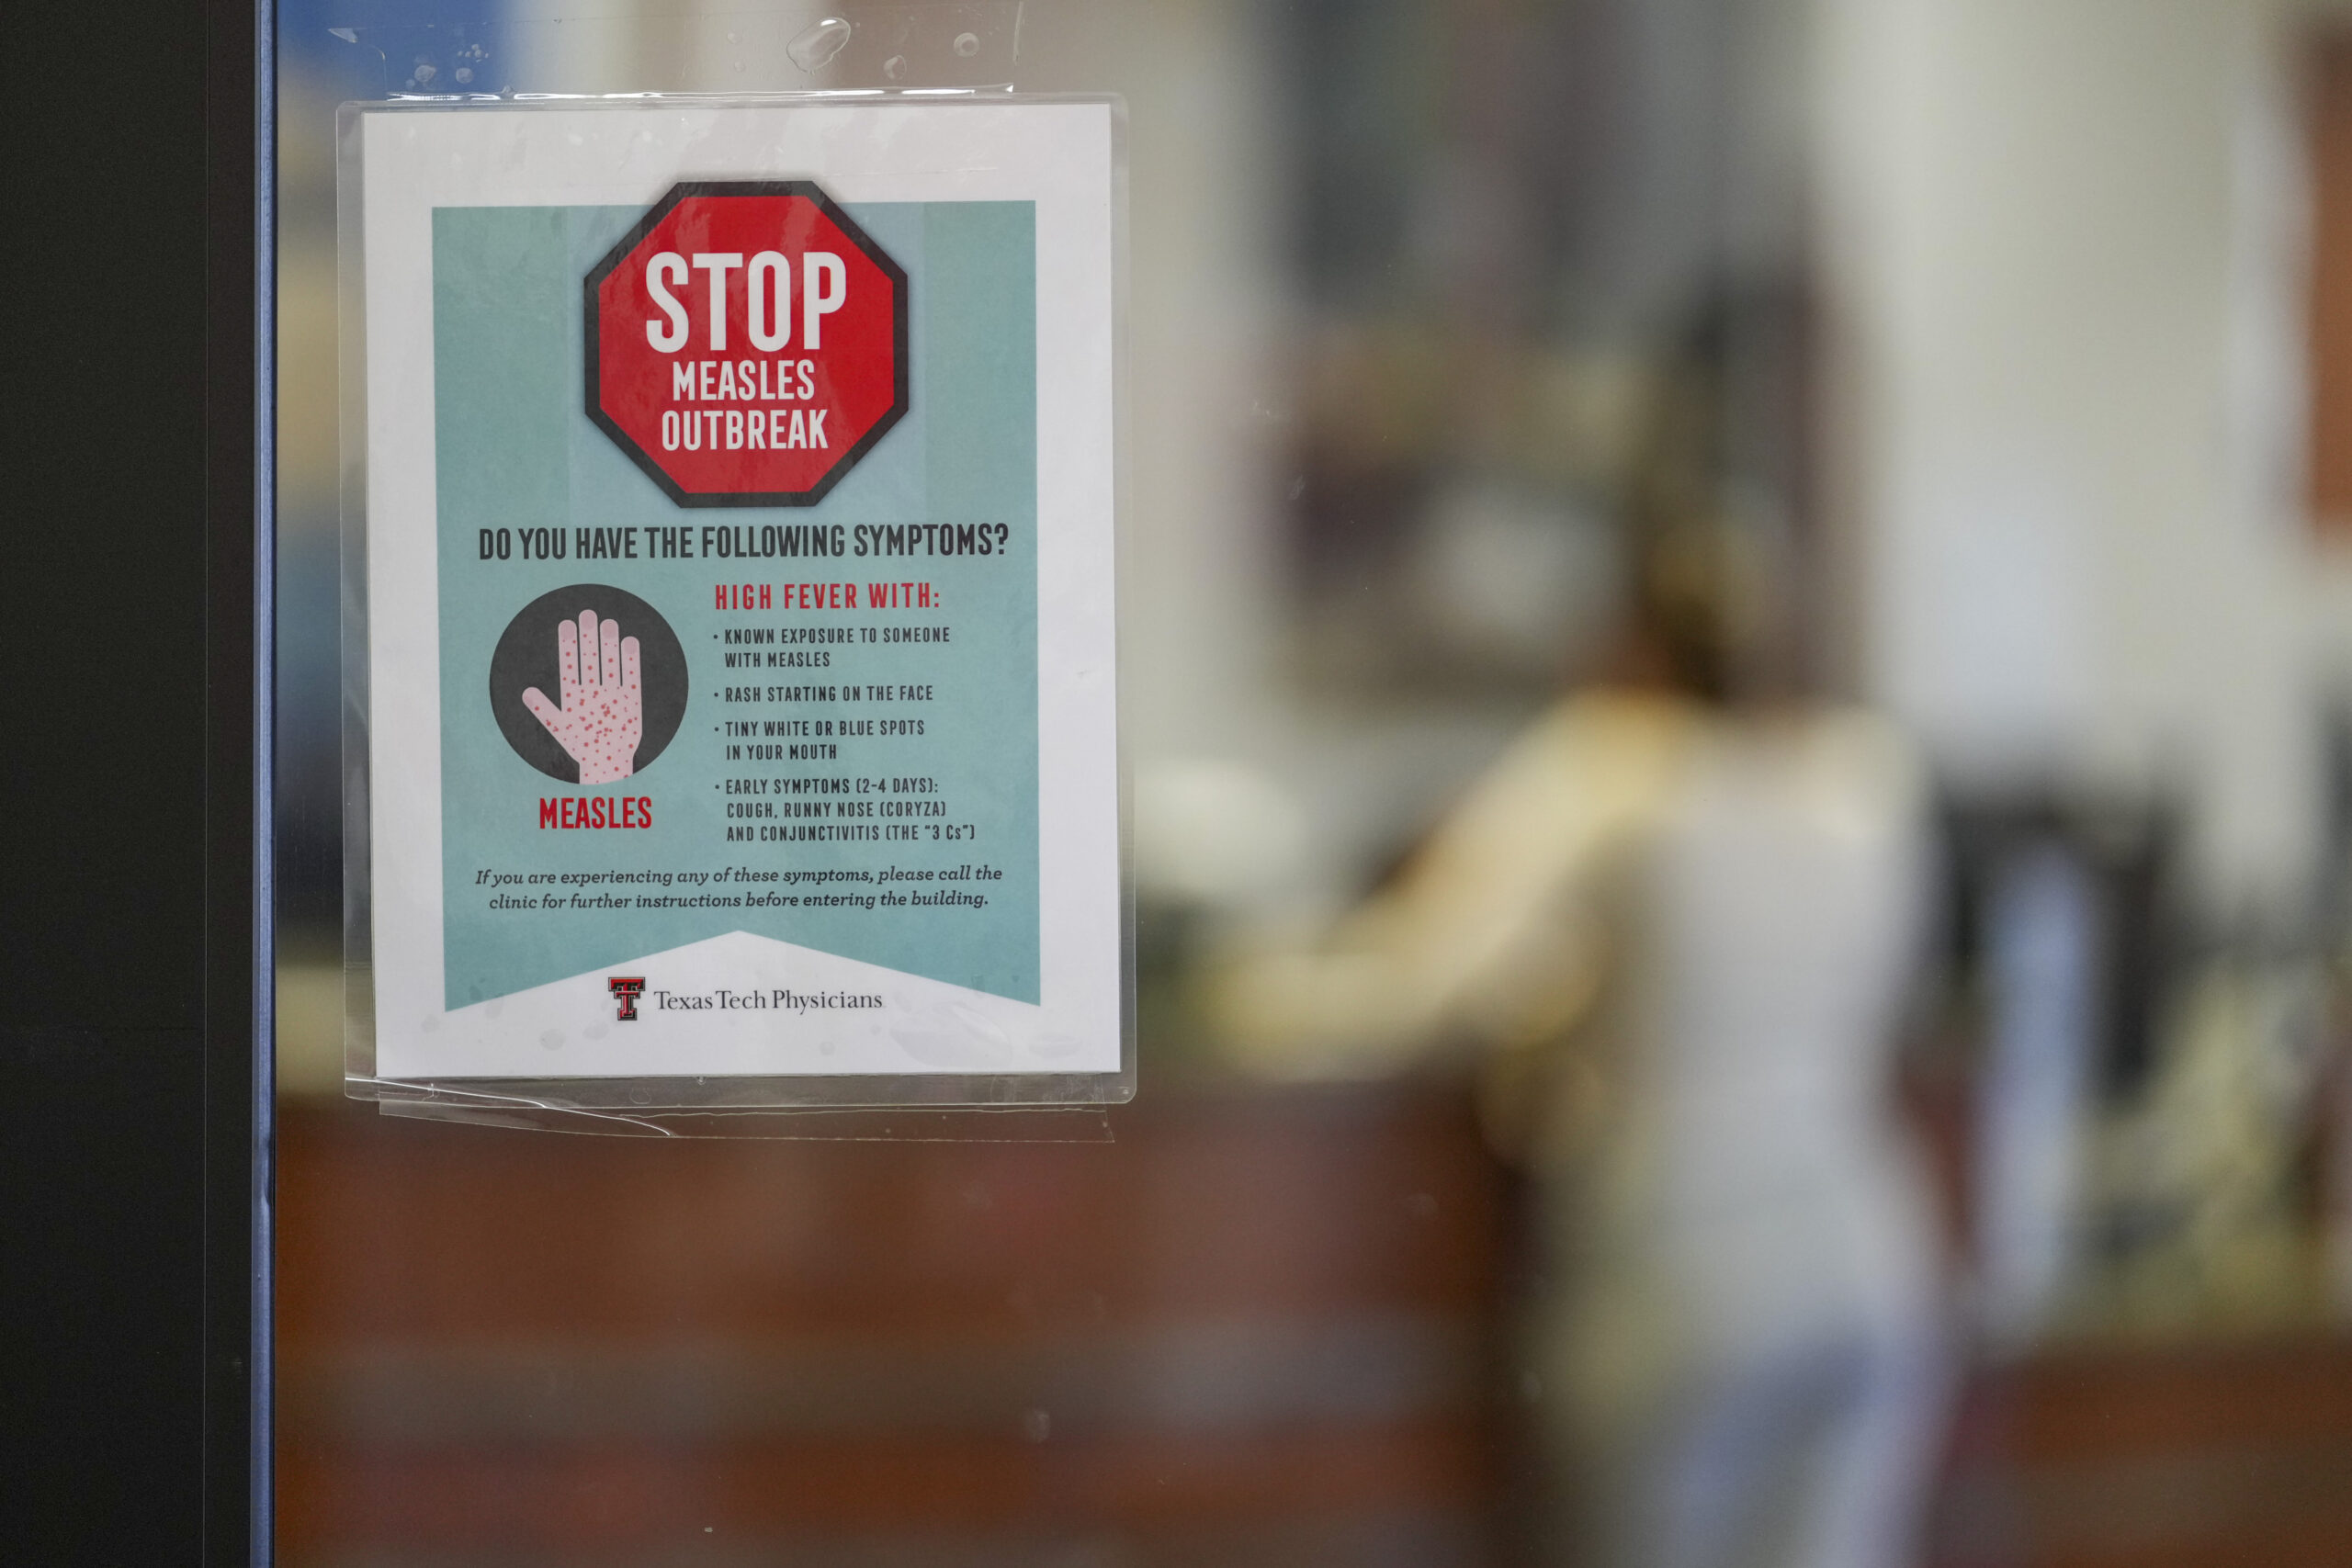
[730,535]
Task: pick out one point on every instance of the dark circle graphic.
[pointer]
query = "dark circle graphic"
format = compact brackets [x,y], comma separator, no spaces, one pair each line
[528,658]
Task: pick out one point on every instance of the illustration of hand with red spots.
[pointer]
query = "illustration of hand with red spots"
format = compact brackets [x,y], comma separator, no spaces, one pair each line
[602,715]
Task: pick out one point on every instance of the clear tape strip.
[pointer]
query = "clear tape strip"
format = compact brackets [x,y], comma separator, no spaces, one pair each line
[1014,1124]
[964,45]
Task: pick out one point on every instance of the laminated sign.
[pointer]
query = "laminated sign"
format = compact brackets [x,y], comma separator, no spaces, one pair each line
[737,564]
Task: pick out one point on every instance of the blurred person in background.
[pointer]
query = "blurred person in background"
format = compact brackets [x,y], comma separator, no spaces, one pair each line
[1675,927]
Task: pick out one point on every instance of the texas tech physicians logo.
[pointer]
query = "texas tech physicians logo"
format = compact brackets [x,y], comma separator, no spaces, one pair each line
[628,989]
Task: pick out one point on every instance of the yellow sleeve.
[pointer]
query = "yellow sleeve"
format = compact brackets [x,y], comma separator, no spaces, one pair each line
[1486,931]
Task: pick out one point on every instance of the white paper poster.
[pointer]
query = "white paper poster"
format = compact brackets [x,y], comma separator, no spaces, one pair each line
[738,586]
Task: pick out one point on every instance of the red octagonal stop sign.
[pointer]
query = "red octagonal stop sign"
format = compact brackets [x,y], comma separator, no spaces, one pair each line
[746,344]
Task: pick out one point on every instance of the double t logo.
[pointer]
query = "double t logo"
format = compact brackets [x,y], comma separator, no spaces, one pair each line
[628,989]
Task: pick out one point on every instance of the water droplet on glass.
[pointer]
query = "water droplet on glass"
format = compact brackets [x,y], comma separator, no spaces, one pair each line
[465,72]
[967,45]
[895,67]
[425,72]
[815,45]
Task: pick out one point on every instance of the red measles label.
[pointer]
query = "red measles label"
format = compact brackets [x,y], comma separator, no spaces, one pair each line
[746,344]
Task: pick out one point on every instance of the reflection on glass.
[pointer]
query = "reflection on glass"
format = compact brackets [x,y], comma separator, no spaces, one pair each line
[1741,831]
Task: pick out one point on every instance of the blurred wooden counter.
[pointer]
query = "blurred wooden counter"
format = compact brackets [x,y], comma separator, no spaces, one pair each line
[1254,1330]
[2181,1455]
